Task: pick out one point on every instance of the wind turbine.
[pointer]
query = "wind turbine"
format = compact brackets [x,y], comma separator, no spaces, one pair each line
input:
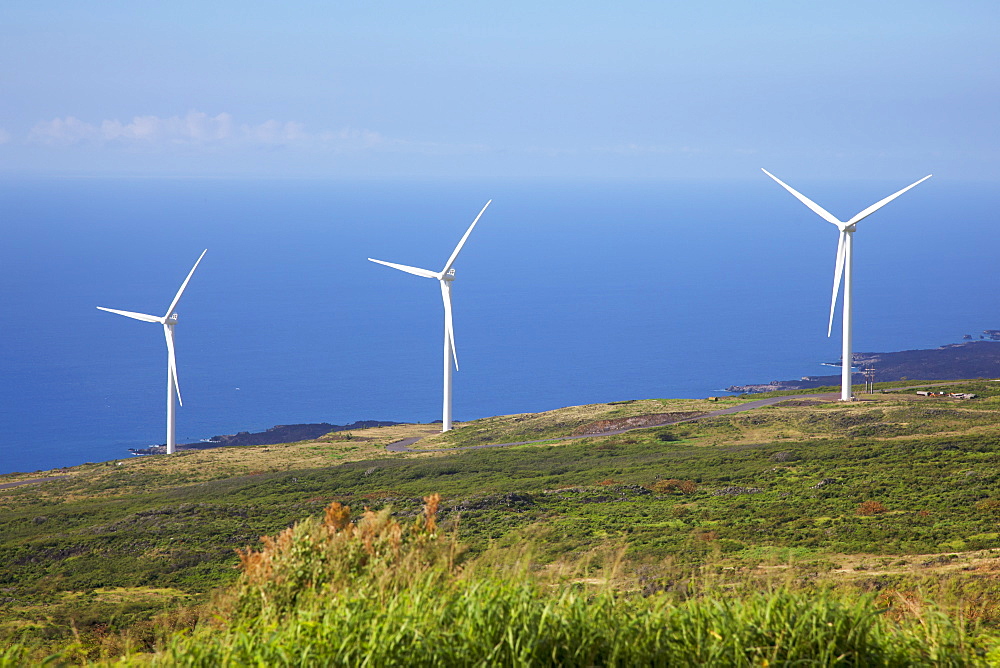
[445,278]
[169,321]
[845,248]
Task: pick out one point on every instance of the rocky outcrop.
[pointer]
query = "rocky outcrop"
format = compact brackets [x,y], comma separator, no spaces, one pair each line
[736,490]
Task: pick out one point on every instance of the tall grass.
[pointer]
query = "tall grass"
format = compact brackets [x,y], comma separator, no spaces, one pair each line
[379,593]
[500,623]
[15,654]
[486,623]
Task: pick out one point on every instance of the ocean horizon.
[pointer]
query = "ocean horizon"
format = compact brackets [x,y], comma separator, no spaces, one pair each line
[567,293]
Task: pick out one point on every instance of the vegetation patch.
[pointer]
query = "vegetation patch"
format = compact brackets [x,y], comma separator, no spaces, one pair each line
[378,592]
[776,497]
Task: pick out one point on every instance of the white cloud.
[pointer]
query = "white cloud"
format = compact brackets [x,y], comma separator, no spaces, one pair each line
[195,128]
[198,129]
[275,132]
[62,131]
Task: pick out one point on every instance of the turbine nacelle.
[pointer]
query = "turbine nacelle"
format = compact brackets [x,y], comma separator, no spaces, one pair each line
[849,226]
[449,275]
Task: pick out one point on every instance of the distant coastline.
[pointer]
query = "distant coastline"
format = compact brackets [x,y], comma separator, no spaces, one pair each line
[973,359]
[282,433]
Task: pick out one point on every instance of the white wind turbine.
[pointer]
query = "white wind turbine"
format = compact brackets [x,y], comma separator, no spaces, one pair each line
[444,277]
[843,268]
[169,321]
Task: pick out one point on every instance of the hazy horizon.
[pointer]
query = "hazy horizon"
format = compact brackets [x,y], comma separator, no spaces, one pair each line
[387,90]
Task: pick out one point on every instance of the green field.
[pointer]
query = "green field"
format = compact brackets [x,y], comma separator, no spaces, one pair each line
[893,501]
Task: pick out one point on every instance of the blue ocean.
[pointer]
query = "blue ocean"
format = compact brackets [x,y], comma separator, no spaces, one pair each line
[566,293]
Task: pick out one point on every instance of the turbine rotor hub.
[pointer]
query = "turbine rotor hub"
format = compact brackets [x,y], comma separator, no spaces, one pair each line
[450,276]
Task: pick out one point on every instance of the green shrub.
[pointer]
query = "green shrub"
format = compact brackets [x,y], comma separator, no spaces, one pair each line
[672,485]
[323,557]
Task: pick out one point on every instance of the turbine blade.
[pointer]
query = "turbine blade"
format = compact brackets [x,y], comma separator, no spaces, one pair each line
[172,361]
[458,248]
[131,314]
[879,204]
[816,208]
[177,297]
[838,273]
[417,271]
[449,323]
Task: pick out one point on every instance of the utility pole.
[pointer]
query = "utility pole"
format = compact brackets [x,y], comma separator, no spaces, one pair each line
[869,374]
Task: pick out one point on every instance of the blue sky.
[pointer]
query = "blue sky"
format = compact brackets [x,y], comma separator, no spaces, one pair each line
[713,89]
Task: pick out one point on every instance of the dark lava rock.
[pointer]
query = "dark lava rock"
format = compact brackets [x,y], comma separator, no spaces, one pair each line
[510,500]
[283,433]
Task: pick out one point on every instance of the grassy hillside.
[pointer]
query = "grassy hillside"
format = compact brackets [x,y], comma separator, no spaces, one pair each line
[895,493]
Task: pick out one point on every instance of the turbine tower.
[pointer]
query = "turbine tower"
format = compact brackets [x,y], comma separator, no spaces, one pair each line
[843,268]
[169,321]
[445,278]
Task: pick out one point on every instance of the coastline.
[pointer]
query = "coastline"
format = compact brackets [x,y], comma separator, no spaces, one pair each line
[971,359]
[282,433]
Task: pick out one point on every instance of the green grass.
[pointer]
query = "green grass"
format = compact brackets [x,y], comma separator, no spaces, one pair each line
[564,421]
[776,488]
[491,622]
[377,593]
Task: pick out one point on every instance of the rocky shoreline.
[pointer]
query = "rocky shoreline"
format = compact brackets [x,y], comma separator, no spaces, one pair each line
[282,433]
[975,359]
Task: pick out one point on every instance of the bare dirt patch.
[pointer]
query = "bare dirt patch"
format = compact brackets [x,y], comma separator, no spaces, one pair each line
[634,422]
